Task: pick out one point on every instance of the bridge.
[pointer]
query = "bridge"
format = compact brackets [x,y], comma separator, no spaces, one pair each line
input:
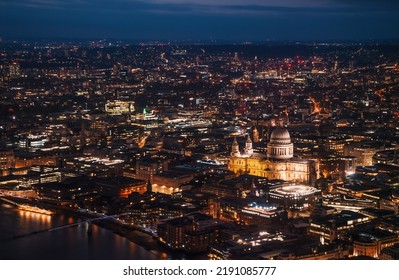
[9,201]
[86,221]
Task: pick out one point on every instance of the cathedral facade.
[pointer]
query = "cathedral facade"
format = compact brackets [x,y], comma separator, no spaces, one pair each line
[278,163]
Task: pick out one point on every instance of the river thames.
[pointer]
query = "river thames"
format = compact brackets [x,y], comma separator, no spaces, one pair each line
[19,241]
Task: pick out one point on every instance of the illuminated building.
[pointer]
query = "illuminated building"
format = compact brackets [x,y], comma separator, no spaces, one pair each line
[371,242]
[363,151]
[30,159]
[238,187]
[170,181]
[14,69]
[210,204]
[148,214]
[119,186]
[336,145]
[71,189]
[334,226]
[7,161]
[320,252]
[390,253]
[386,157]
[251,213]
[192,233]
[222,190]
[118,107]
[337,167]
[43,174]
[146,168]
[294,196]
[348,202]
[129,134]
[391,202]
[94,166]
[32,142]
[148,120]
[278,163]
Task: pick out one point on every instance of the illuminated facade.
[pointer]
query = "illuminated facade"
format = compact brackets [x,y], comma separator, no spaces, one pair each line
[118,107]
[192,233]
[372,243]
[7,161]
[363,151]
[336,145]
[336,226]
[171,180]
[278,163]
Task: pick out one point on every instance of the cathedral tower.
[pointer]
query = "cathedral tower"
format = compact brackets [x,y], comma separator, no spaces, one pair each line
[235,149]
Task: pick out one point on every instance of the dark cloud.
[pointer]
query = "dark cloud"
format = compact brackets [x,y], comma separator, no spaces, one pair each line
[211,6]
[179,19]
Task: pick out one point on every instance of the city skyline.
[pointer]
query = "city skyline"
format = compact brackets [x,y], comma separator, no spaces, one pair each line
[199,129]
[199,151]
[253,20]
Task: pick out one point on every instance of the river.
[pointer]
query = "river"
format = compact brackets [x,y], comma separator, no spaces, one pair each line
[19,242]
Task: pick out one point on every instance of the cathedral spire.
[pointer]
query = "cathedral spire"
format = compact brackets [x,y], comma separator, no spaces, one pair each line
[149,186]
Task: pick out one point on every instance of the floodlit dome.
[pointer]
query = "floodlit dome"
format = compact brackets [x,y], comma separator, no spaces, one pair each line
[280,146]
[280,136]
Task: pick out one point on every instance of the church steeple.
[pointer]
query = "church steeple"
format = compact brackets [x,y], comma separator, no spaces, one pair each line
[149,186]
[255,134]
[235,149]
[248,150]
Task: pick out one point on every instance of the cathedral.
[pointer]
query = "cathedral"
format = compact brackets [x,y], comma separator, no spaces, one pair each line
[278,163]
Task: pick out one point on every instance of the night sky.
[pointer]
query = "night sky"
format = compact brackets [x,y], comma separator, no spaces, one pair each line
[255,20]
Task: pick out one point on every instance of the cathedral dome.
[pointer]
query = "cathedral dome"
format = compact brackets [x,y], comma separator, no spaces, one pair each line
[280,146]
[280,136]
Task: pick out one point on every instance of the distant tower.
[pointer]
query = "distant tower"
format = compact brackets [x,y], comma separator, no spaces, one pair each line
[255,135]
[235,149]
[149,186]
[248,150]
[336,66]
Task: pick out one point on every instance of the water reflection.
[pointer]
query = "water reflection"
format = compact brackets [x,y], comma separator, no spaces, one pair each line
[32,217]
[35,242]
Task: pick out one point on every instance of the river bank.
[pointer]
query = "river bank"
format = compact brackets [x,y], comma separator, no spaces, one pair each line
[131,233]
